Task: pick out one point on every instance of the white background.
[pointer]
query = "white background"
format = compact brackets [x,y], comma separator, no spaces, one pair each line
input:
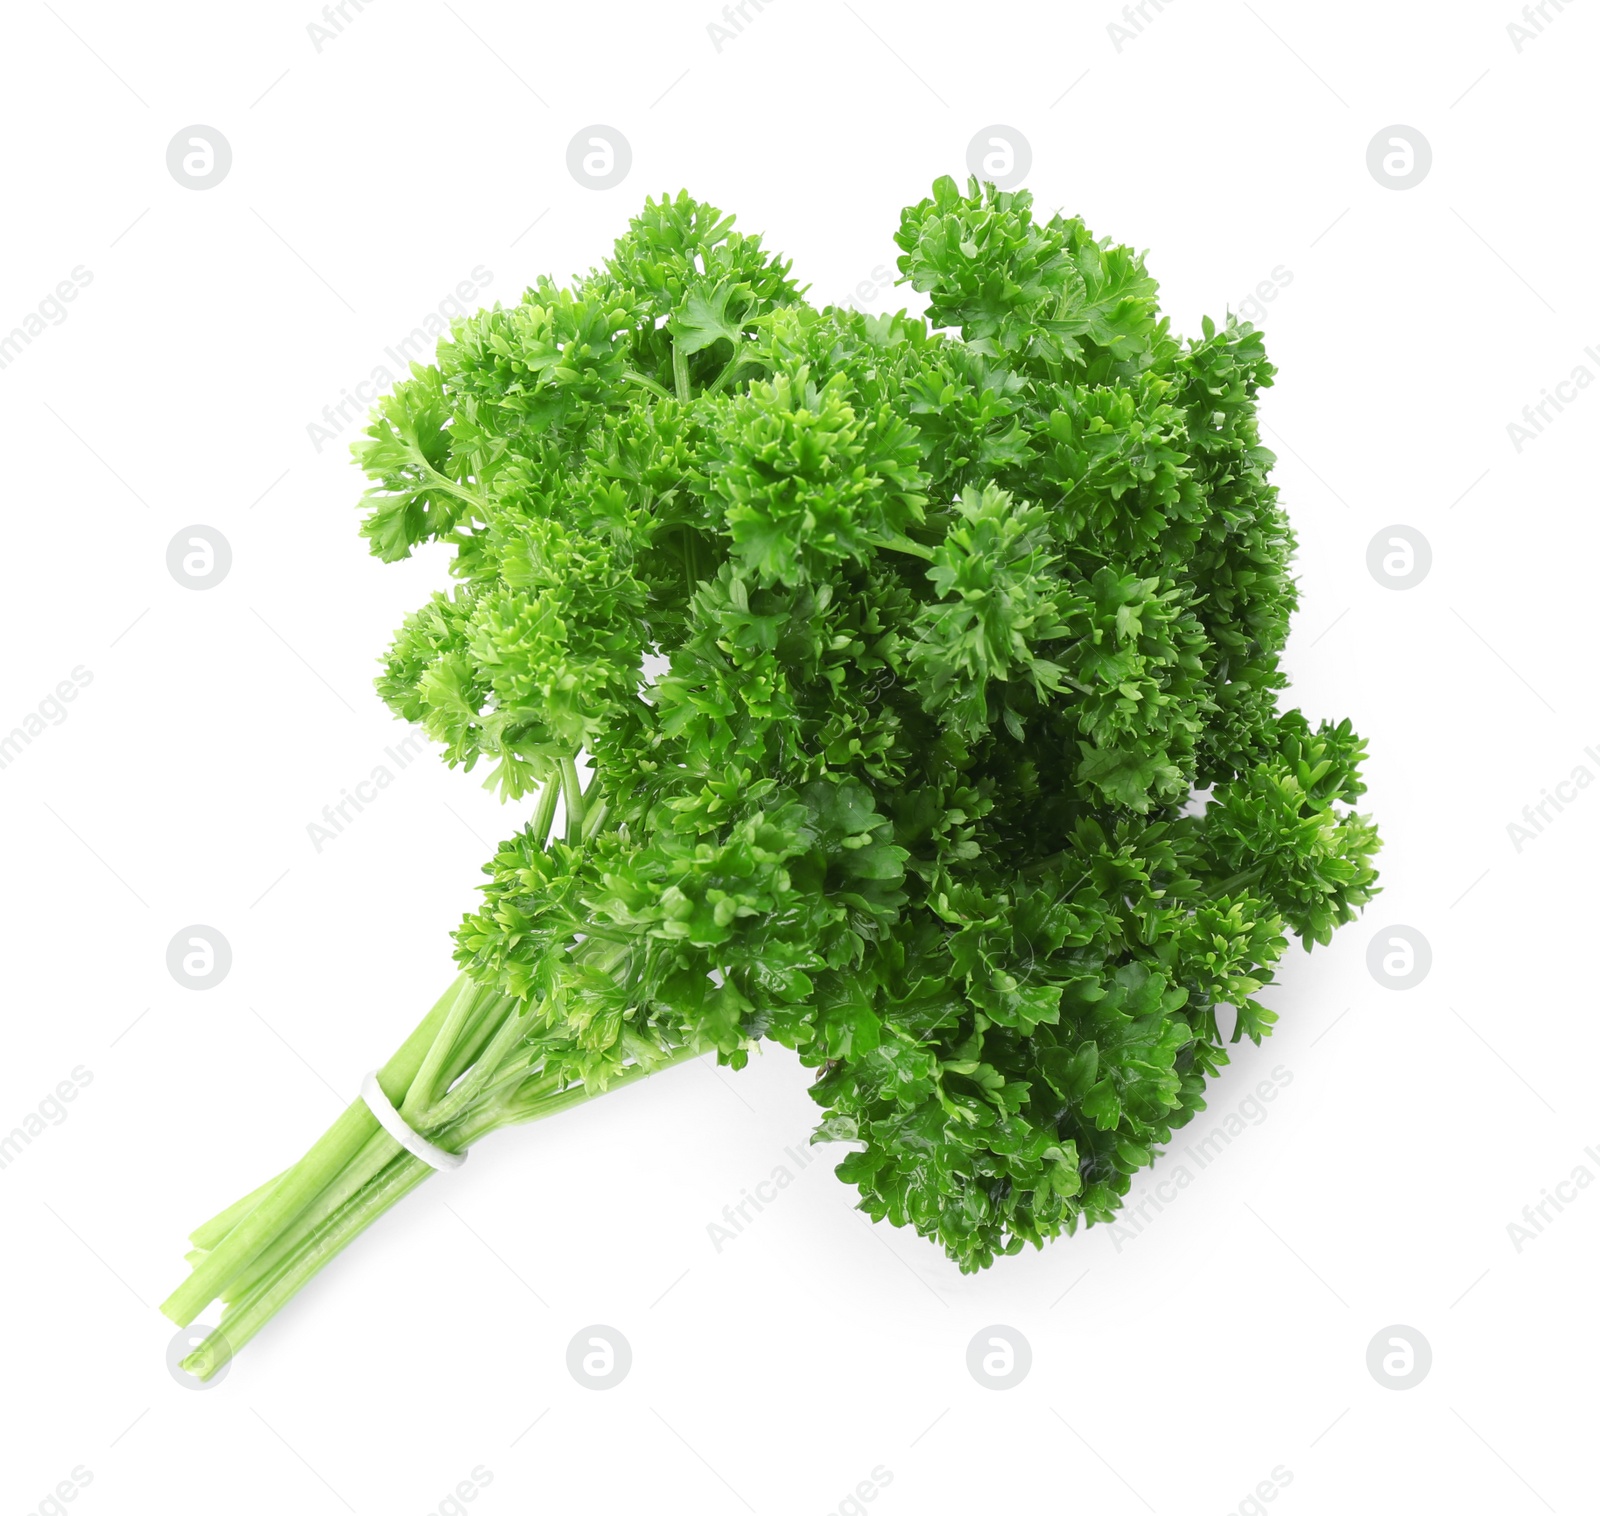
[1172,1370]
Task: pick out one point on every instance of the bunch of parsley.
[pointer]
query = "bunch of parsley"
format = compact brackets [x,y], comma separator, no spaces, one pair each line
[907,693]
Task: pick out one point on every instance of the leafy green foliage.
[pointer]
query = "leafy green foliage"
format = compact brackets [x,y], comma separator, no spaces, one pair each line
[899,655]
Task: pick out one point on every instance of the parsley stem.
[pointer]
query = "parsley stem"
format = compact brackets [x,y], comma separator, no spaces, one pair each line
[208,1234]
[572,793]
[633,376]
[378,1151]
[544,813]
[734,364]
[438,481]
[1246,876]
[246,1317]
[298,1186]
[426,1083]
[680,374]
[378,1177]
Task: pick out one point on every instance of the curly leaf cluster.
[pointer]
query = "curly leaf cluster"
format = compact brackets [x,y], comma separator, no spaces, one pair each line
[928,672]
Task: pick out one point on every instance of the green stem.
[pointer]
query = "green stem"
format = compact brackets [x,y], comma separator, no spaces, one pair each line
[438,481]
[633,376]
[424,1084]
[246,1317]
[451,1105]
[485,1025]
[544,813]
[572,794]
[296,1261]
[739,360]
[518,1111]
[209,1233]
[379,1152]
[341,1142]
[680,374]
[1247,876]
[300,1185]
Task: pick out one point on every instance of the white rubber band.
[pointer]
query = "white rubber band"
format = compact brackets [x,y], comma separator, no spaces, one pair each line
[395,1125]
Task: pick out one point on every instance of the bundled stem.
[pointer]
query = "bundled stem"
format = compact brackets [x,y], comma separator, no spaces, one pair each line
[476,1062]
[472,1066]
